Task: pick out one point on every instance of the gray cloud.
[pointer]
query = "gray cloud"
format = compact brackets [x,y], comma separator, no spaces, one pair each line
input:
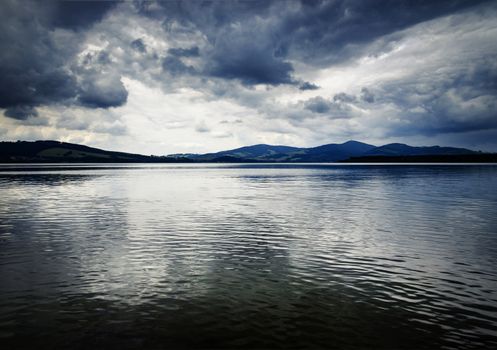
[336,108]
[31,66]
[21,112]
[35,68]
[175,66]
[318,32]
[76,55]
[318,105]
[308,86]
[244,52]
[202,127]
[139,45]
[367,95]
[236,55]
[77,14]
[454,102]
[324,32]
[343,97]
[103,91]
[254,42]
[236,121]
[190,52]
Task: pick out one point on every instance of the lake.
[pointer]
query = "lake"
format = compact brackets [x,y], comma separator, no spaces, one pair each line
[327,256]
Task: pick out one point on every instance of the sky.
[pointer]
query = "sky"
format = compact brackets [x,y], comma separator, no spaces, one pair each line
[157,77]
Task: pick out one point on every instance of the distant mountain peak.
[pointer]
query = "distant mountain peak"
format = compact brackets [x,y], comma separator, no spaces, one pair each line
[350,142]
[56,151]
[401,149]
[395,144]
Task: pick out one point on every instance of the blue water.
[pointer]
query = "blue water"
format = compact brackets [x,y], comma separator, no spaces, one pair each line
[248,256]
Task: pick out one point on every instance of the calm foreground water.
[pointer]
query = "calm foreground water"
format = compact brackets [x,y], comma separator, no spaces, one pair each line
[248,256]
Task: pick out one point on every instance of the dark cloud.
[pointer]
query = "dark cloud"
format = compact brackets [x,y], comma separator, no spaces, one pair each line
[139,45]
[324,32]
[308,86]
[103,58]
[337,107]
[366,95]
[318,105]
[245,52]
[76,14]
[272,32]
[35,67]
[223,47]
[206,15]
[455,102]
[21,112]
[175,66]
[252,69]
[99,81]
[180,52]
[343,97]
[103,91]
[255,41]
[237,56]
[32,61]
[31,88]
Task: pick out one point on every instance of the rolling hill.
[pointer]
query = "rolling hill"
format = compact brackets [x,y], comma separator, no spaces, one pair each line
[350,151]
[269,153]
[55,152]
[326,153]
[400,149]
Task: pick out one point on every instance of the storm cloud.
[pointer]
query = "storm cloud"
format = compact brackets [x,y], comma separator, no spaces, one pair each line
[337,107]
[40,45]
[79,14]
[190,52]
[297,72]
[139,45]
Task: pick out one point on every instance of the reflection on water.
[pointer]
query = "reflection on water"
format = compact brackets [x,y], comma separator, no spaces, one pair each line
[248,256]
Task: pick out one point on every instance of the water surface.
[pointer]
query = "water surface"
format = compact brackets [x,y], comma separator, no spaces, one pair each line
[248,256]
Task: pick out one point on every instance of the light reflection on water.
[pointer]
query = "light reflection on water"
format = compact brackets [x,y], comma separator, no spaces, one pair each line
[248,256]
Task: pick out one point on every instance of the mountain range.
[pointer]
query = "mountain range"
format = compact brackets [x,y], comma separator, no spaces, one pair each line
[326,153]
[350,151]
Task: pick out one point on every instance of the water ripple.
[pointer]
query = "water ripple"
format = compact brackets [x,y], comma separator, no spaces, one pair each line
[248,256]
